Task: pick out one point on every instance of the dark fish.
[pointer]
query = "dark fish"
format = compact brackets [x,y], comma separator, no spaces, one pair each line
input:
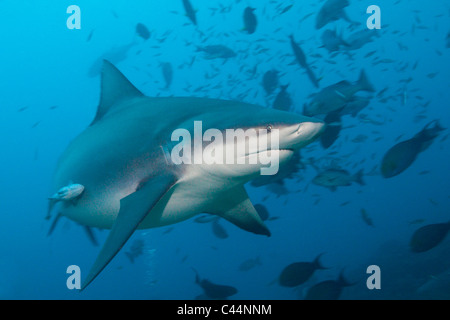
[217,52]
[270,81]
[167,71]
[332,130]
[428,237]
[332,10]
[359,39]
[366,218]
[262,211]
[250,264]
[283,100]
[136,249]
[328,290]
[142,31]
[337,96]
[190,12]
[218,230]
[332,41]
[298,273]
[250,21]
[286,9]
[333,178]
[90,36]
[206,218]
[301,59]
[402,155]
[22,109]
[214,291]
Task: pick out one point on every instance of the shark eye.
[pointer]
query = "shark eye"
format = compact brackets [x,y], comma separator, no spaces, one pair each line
[269,128]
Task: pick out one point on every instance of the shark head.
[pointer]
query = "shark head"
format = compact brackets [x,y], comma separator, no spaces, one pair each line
[256,141]
[149,162]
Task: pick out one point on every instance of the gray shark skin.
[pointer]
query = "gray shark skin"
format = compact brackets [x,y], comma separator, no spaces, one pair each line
[123,161]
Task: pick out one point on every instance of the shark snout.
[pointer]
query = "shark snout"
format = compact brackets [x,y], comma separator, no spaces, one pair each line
[310,130]
[304,133]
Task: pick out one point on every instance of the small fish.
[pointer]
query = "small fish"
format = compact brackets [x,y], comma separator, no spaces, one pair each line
[142,31]
[218,230]
[270,81]
[333,178]
[366,218]
[250,264]
[417,221]
[328,290]
[250,21]
[286,9]
[298,273]
[190,12]
[70,193]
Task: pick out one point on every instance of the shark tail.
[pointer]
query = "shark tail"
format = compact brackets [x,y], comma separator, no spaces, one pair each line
[364,82]
[359,177]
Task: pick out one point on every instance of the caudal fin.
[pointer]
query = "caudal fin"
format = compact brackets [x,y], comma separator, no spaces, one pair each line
[359,177]
[364,83]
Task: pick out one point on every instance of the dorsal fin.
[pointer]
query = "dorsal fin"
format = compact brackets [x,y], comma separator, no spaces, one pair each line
[115,87]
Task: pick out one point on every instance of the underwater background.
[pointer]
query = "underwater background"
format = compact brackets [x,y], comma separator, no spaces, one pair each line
[50,90]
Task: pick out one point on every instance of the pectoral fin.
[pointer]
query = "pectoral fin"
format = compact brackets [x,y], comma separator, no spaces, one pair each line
[133,209]
[236,207]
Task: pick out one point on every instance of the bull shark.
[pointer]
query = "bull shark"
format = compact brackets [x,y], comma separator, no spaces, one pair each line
[129,180]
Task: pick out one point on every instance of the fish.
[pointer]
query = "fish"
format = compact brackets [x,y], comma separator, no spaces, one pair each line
[399,157]
[332,10]
[417,221]
[214,291]
[138,182]
[366,218]
[428,237]
[298,273]
[448,40]
[190,12]
[283,100]
[218,230]
[336,96]
[142,31]
[217,52]
[332,130]
[136,250]
[270,81]
[333,178]
[167,71]
[205,219]
[354,106]
[262,211]
[250,264]
[71,192]
[250,21]
[328,290]
[332,41]
[301,59]
[286,9]
[359,39]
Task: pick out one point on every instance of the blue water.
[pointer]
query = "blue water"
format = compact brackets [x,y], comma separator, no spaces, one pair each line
[44,68]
